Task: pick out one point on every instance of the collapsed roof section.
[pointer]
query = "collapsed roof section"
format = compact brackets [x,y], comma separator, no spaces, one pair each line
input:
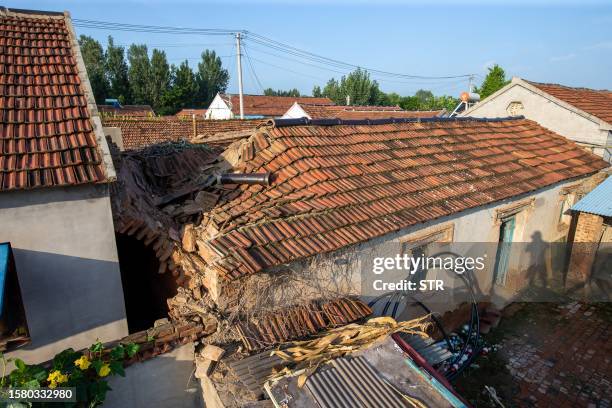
[338,185]
[138,133]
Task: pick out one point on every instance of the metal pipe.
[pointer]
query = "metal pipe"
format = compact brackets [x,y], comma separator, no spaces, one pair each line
[245,178]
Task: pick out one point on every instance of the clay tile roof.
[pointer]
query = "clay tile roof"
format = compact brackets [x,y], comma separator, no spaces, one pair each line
[138,111]
[138,133]
[47,135]
[338,185]
[188,113]
[261,105]
[595,102]
[364,112]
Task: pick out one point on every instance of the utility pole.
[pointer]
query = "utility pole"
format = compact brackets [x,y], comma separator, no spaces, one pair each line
[239,57]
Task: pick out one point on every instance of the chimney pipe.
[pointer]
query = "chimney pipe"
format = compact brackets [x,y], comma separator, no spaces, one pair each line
[262,179]
[348,100]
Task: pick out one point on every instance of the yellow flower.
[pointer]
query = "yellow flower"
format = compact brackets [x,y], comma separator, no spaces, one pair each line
[104,370]
[56,377]
[83,363]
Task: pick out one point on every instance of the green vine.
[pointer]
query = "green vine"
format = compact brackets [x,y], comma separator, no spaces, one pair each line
[86,371]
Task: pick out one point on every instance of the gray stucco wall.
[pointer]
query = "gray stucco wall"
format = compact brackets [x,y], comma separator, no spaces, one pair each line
[66,257]
[547,113]
[165,381]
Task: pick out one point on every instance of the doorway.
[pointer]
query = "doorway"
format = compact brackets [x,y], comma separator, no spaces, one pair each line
[145,290]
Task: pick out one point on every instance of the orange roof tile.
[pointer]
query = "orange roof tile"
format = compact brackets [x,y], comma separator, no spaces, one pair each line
[188,113]
[138,133]
[363,112]
[272,106]
[334,186]
[595,102]
[139,111]
[46,135]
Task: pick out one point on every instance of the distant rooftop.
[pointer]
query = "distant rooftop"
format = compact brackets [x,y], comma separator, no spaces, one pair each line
[592,101]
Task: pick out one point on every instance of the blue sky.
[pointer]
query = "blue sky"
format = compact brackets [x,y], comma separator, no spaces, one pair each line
[566,42]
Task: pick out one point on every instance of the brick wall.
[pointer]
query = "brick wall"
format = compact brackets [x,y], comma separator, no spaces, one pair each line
[586,235]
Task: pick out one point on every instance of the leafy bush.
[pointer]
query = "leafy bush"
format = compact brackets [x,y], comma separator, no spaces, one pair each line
[86,371]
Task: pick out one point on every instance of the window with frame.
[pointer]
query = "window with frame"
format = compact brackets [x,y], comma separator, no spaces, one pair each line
[425,244]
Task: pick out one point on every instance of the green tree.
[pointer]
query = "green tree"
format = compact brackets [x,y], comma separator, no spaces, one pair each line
[292,92]
[117,73]
[139,74]
[160,78]
[317,92]
[332,91]
[93,56]
[183,90]
[358,86]
[494,81]
[425,98]
[211,78]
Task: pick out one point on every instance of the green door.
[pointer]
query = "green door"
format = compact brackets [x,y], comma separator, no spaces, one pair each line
[506,231]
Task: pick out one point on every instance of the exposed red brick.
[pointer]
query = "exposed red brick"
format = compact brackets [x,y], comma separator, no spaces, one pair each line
[134,111]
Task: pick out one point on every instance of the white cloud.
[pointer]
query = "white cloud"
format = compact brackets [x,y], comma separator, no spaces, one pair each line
[560,58]
[604,45]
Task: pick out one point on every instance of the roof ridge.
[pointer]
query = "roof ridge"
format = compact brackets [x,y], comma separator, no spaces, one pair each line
[278,123]
[7,11]
[580,88]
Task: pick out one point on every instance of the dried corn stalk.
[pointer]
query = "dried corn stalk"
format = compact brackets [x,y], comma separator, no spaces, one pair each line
[307,355]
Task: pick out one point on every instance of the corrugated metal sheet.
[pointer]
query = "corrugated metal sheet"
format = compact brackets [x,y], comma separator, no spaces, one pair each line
[352,382]
[598,201]
[254,371]
[427,347]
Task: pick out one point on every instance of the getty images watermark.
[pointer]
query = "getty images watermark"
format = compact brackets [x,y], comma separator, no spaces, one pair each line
[415,268]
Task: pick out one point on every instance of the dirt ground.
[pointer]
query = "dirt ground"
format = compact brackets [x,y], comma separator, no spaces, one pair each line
[549,355]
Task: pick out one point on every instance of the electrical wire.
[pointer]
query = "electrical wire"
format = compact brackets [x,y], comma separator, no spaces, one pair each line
[246,53]
[257,38]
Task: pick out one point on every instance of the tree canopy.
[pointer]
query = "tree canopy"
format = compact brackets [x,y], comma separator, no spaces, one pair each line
[364,91]
[142,77]
[292,92]
[494,81]
[93,56]
[211,77]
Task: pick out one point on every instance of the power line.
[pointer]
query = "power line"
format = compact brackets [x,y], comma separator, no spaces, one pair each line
[246,53]
[256,38]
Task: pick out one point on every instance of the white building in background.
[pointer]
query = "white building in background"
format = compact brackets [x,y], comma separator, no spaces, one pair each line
[580,114]
[226,106]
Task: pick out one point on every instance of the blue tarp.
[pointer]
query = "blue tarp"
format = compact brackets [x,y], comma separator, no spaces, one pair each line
[5,253]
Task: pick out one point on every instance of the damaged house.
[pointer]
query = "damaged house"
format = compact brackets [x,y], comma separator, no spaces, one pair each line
[305,191]
[55,208]
[291,216]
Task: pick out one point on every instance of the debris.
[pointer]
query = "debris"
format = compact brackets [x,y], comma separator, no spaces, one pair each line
[343,340]
[211,352]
